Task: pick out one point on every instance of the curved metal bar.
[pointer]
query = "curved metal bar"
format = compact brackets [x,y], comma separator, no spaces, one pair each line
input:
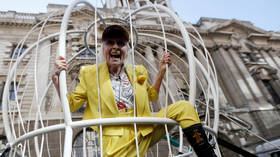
[69,127]
[155,70]
[98,87]
[37,132]
[217,113]
[62,76]
[215,77]
[123,120]
[105,19]
[9,134]
[178,70]
[213,89]
[95,122]
[179,47]
[104,121]
[188,45]
[38,115]
[134,84]
[7,128]
[167,79]
[91,25]
[199,81]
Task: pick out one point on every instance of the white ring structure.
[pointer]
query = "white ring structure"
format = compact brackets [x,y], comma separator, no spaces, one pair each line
[69,125]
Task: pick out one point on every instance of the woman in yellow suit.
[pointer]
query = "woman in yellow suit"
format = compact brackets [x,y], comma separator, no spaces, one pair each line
[117,97]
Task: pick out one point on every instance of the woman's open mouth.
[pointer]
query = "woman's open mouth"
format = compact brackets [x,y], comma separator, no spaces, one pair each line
[115,55]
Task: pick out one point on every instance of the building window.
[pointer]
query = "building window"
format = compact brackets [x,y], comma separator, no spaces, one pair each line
[16,51]
[184,92]
[250,57]
[3,142]
[91,144]
[12,91]
[87,54]
[12,94]
[1,98]
[271,91]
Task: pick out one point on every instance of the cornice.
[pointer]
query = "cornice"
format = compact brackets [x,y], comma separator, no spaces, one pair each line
[257,35]
[265,36]
[18,19]
[225,33]
[16,24]
[222,23]
[225,46]
[253,46]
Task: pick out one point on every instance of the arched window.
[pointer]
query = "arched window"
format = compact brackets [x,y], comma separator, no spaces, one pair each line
[87,54]
[12,93]
[16,52]
[266,77]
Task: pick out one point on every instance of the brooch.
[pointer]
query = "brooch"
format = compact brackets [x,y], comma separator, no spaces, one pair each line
[141,78]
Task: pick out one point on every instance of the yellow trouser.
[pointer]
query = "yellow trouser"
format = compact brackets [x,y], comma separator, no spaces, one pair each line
[124,146]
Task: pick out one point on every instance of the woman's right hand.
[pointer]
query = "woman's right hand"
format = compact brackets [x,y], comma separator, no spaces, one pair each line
[60,64]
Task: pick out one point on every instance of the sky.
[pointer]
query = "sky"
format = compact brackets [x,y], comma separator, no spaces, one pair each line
[264,14]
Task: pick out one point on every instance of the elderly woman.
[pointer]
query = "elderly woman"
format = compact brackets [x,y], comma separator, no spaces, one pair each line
[117,99]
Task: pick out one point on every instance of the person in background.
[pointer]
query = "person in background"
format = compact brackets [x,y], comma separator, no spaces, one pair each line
[117,100]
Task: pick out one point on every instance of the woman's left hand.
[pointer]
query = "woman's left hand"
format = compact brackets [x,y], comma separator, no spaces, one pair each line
[165,59]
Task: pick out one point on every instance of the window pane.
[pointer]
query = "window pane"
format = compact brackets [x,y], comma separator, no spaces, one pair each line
[12,91]
[86,53]
[17,52]
[271,91]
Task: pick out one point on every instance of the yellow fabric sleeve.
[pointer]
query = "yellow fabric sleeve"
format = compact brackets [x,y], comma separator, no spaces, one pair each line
[79,96]
[142,77]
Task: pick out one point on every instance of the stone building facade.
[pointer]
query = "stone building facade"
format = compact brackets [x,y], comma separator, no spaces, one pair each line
[247,60]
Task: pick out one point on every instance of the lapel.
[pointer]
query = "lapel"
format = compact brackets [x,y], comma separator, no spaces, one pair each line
[106,90]
[129,72]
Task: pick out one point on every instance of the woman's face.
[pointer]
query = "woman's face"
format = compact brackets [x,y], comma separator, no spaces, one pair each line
[115,52]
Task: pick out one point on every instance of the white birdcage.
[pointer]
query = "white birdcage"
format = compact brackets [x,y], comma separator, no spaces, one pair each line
[29,126]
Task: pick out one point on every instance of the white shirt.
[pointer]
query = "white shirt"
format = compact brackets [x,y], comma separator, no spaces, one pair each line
[123,91]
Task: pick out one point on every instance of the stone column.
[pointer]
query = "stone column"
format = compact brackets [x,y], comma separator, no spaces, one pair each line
[229,81]
[276,77]
[255,93]
[275,58]
[269,60]
[251,92]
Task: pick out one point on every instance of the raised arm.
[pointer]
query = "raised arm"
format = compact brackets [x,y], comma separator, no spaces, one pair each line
[165,59]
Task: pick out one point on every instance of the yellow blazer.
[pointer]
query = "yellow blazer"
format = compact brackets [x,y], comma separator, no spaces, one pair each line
[86,91]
